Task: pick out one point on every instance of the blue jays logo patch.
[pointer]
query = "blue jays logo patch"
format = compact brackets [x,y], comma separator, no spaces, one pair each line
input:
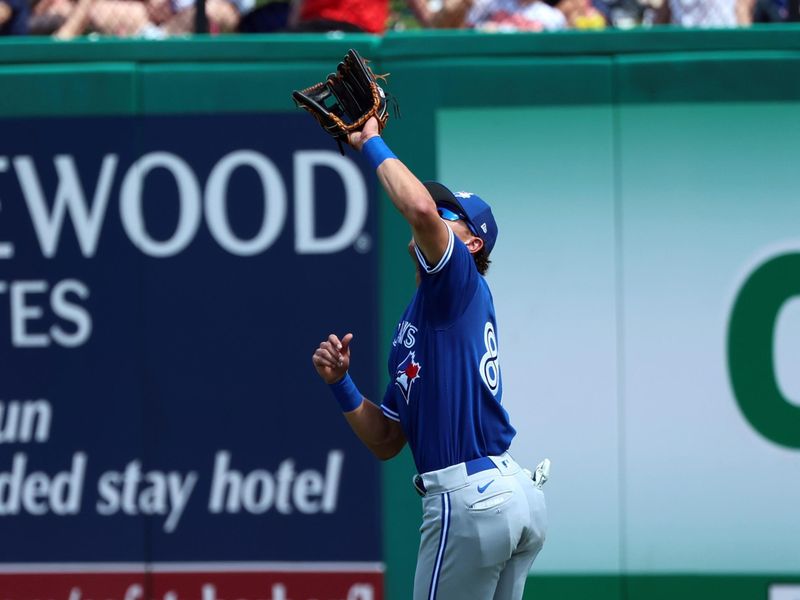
[406,374]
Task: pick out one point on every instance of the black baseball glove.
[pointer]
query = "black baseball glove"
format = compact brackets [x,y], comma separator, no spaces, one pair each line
[346,99]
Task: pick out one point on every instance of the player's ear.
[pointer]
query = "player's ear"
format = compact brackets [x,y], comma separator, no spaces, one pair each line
[474,244]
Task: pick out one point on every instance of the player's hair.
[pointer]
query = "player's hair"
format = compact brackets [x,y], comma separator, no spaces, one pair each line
[482,260]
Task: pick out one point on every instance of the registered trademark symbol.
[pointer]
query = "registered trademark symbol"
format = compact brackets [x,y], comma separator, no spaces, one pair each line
[363,244]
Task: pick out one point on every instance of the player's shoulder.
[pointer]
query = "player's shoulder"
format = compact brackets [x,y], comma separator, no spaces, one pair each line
[456,271]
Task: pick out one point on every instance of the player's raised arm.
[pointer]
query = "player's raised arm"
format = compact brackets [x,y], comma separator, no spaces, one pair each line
[406,192]
[343,102]
[381,435]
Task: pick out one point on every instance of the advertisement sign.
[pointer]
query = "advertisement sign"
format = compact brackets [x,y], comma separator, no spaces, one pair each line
[646,284]
[214,581]
[164,283]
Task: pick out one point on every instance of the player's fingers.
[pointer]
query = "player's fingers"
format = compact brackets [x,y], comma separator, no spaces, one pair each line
[346,343]
[331,352]
[335,342]
[323,359]
[336,347]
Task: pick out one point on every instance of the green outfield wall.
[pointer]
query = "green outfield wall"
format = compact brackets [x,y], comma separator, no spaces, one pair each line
[647,190]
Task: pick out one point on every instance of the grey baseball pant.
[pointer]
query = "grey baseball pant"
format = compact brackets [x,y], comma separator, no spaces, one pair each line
[480,533]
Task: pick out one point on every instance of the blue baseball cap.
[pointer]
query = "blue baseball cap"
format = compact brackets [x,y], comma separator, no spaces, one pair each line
[477,214]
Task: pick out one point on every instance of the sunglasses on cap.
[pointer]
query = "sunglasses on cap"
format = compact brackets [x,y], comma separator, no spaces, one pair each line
[449,215]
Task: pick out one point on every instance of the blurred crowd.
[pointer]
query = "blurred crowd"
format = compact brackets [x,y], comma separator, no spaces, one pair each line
[161,18]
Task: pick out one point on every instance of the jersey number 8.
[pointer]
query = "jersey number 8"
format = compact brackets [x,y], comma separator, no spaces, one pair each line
[490,370]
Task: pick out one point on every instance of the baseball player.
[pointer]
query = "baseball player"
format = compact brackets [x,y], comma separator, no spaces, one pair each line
[484,518]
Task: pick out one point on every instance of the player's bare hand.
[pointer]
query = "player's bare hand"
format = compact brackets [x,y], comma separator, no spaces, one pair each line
[359,138]
[332,358]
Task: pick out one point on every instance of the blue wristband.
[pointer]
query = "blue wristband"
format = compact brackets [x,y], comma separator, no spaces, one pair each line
[376,151]
[346,393]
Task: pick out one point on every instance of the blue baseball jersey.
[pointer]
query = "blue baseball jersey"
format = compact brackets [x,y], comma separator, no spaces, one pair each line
[445,388]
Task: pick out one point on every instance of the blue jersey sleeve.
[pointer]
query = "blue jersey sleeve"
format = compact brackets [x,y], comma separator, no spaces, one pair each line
[448,286]
[389,404]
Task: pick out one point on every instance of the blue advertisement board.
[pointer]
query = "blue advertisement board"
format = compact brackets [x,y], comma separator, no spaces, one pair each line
[163,284]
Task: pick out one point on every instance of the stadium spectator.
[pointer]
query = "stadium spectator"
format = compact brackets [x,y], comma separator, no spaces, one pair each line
[66,19]
[47,16]
[13,17]
[162,18]
[500,15]
[706,13]
[115,17]
[150,18]
[770,11]
[625,14]
[266,17]
[178,16]
[581,14]
[75,20]
[365,16]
